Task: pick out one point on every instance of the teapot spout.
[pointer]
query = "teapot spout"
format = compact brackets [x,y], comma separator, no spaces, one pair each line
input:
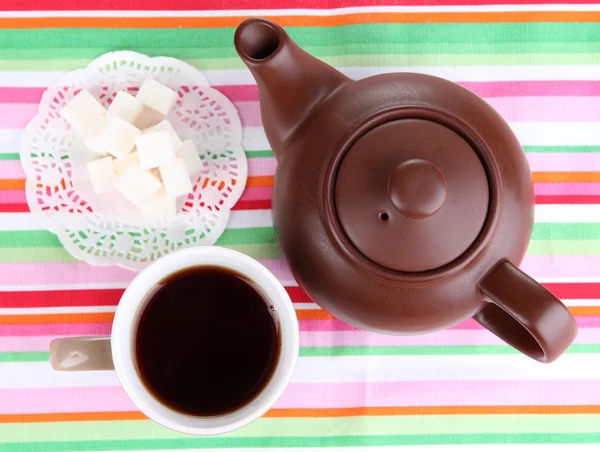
[290,81]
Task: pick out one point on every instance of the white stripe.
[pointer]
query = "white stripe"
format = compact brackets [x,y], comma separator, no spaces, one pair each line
[238,219]
[562,279]
[303,11]
[82,286]
[544,213]
[567,213]
[355,369]
[254,139]
[557,133]
[57,310]
[528,133]
[10,141]
[582,302]
[455,73]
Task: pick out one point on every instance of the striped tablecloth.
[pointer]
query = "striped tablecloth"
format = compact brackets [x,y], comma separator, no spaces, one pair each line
[538,64]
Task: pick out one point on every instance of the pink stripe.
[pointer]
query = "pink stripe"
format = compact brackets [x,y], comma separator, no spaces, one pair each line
[440,393]
[10,95]
[543,267]
[256,193]
[56,329]
[241,93]
[16,116]
[552,189]
[25,343]
[12,197]
[440,338]
[262,166]
[335,325]
[331,395]
[64,400]
[534,88]
[249,113]
[81,273]
[11,169]
[586,161]
[516,109]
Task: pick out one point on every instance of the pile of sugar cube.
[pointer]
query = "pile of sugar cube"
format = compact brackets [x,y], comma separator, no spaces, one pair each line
[139,153]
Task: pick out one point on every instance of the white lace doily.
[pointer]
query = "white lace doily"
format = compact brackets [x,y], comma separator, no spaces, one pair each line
[93,228]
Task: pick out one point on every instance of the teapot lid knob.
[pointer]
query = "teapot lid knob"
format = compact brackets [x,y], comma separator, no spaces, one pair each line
[417,188]
[411,195]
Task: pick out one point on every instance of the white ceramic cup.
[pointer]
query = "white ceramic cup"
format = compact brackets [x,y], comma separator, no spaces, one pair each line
[118,351]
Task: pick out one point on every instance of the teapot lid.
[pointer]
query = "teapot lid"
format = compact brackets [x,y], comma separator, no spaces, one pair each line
[411,195]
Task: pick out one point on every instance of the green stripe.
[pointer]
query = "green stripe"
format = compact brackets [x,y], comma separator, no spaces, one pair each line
[563,247]
[41,255]
[354,426]
[335,51]
[410,350]
[529,149]
[9,156]
[64,63]
[308,441]
[559,233]
[567,37]
[566,231]
[23,357]
[45,239]
[264,153]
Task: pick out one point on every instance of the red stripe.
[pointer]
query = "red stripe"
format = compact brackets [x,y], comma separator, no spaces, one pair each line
[54,298]
[567,199]
[111,297]
[574,291]
[298,295]
[265,204]
[259,204]
[14,208]
[46,5]
[249,93]
[100,297]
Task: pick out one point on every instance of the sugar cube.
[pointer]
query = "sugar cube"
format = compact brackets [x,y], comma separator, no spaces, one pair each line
[120,137]
[157,96]
[189,154]
[82,111]
[161,204]
[94,139]
[138,185]
[130,159]
[126,107]
[166,125]
[148,118]
[176,178]
[155,149]
[102,174]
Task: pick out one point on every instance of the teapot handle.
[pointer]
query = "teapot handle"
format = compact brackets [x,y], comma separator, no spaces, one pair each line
[524,314]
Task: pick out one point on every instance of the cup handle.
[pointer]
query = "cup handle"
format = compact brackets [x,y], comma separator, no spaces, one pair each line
[524,314]
[81,353]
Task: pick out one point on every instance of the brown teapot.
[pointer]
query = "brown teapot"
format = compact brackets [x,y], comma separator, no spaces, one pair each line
[402,202]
